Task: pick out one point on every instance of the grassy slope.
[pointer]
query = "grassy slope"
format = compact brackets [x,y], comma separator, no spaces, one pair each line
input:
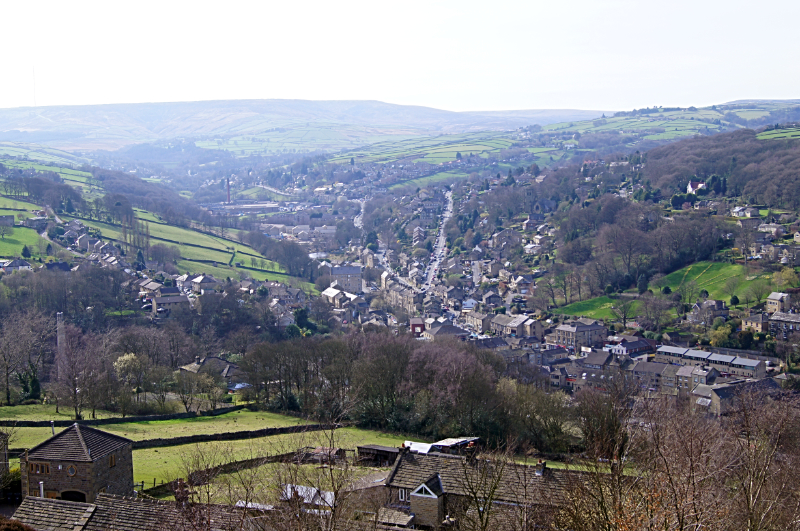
[710,276]
[597,308]
[11,246]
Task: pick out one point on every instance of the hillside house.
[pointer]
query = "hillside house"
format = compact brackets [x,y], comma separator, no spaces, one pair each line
[204,283]
[348,277]
[694,186]
[9,266]
[432,486]
[579,333]
[757,322]
[164,305]
[778,302]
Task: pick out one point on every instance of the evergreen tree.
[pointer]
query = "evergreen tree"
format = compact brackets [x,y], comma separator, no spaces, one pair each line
[26,253]
[641,285]
[70,208]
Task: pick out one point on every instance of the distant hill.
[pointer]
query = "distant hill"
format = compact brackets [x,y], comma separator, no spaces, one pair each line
[111,126]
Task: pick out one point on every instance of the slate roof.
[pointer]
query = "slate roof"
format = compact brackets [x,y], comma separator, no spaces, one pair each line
[123,514]
[45,514]
[412,469]
[78,443]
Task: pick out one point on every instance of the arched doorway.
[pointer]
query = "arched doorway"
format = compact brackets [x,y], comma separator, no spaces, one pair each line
[73,495]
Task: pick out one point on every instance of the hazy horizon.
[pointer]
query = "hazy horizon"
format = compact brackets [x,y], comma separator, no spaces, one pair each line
[457,56]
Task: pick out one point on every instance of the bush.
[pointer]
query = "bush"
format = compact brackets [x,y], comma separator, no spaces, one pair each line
[30,402]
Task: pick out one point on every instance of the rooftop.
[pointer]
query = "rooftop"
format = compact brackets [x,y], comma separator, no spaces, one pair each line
[78,443]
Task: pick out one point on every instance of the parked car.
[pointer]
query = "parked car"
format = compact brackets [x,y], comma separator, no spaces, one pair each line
[147,307]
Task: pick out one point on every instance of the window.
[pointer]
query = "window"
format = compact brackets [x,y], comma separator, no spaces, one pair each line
[112,460]
[403,495]
[39,468]
[71,470]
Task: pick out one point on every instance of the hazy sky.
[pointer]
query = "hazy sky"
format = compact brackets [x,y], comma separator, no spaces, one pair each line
[460,55]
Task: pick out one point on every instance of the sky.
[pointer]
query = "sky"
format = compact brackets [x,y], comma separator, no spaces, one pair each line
[455,55]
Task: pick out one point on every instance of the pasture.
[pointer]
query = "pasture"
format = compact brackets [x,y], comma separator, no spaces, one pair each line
[39,153]
[168,463]
[430,149]
[294,137]
[242,420]
[778,134]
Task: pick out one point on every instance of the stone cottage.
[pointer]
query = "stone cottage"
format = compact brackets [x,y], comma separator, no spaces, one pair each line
[78,464]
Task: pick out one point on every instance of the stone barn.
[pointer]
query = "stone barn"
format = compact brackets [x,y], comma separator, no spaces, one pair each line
[77,464]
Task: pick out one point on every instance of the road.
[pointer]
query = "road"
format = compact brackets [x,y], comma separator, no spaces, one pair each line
[275,190]
[476,272]
[358,221]
[438,248]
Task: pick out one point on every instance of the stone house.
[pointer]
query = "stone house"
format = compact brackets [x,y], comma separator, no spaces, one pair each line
[433,488]
[164,305]
[580,333]
[204,283]
[77,464]
[708,310]
[481,322]
[348,277]
[509,325]
[778,302]
[757,322]
[492,299]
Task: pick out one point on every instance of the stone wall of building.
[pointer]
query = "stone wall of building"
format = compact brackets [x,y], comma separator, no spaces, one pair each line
[88,478]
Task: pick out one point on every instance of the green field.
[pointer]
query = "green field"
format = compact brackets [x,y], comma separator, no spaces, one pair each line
[242,420]
[775,134]
[431,149]
[711,276]
[291,136]
[40,153]
[11,245]
[597,308]
[165,464]
[214,248]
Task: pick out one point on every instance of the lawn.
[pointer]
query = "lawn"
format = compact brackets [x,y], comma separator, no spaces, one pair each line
[597,308]
[236,421]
